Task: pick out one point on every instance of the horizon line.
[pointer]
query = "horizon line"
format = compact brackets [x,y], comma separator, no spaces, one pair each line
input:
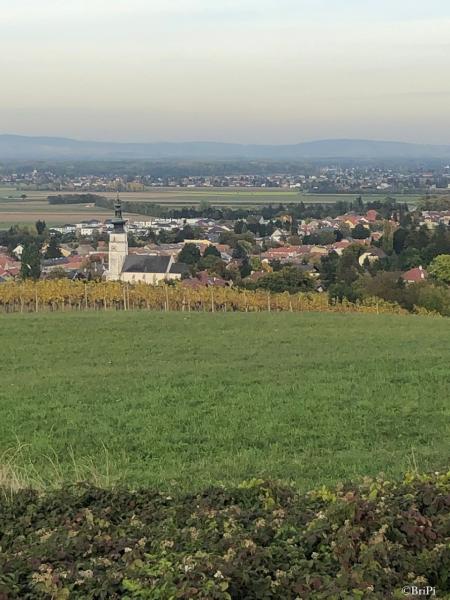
[179,142]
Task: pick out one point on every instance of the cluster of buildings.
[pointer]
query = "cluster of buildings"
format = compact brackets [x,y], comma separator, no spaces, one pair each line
[101,249]
[327,179]
[433,218]
[94,227]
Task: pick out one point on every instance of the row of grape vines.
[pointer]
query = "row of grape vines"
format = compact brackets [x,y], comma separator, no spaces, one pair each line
[65,295]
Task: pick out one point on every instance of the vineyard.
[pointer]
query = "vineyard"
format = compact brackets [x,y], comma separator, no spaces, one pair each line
[65,295]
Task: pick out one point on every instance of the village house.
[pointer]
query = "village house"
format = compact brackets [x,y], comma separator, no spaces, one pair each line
[415,275]
[372,255]
[9,268]
[64,229]
[202,279]
[283,253]
[278,236]
[87,228]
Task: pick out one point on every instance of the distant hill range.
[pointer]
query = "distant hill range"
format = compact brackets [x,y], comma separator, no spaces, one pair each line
[16,147]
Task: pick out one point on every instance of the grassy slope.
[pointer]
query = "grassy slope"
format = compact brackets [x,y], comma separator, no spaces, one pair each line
[187,400]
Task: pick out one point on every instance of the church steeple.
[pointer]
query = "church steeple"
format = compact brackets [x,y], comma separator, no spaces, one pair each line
[118,221]
[118,243]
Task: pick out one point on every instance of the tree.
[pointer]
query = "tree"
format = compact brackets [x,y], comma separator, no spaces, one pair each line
[294,226]
[440,268]
[94,240]
[321,237]
[93,268]
[256,263]
[133,242]
[387,241]
[190,254]
[241,250]
[418,238]
[328,268]
[360,232]
[409,258]
[212,264]
[211,251]
[359,205]
[289,279]
[53,249]
[432,297]
[165,237]
[240,227]
[399,240]
[187,233]
[385,285]
[40,227]
[30,267]
[233,239]
[345,231]
[338,235]
[439,244]
[245,268]
[348,270]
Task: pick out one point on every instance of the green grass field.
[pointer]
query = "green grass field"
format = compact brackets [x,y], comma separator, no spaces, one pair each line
[185,400]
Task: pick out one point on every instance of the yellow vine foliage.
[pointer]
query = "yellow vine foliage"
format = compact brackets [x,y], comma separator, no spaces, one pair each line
[63,294]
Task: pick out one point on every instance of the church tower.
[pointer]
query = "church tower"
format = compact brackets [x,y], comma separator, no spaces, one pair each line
[118,244]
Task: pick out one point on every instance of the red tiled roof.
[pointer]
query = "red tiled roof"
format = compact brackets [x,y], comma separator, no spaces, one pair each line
[415,275]
[285,251]
[7,261]
[341,244]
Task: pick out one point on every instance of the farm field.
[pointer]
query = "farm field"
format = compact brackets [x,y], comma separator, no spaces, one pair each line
[15,210]
[244,198]
[184,400]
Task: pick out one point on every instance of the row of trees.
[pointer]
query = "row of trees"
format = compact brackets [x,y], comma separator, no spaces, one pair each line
[73,199]
[298,210]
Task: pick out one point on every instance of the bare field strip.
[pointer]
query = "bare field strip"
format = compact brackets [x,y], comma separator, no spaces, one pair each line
[29,211]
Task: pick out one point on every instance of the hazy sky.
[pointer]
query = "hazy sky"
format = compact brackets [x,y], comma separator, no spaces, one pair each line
[275,71]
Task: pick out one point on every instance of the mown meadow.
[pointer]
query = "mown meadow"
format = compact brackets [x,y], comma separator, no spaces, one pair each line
[184,400]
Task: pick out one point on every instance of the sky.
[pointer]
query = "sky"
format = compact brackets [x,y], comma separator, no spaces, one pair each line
[247,71]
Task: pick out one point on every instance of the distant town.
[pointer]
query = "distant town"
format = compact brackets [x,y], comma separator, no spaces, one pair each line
[313,179]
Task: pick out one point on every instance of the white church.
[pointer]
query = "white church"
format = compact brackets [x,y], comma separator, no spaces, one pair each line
[134,268]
